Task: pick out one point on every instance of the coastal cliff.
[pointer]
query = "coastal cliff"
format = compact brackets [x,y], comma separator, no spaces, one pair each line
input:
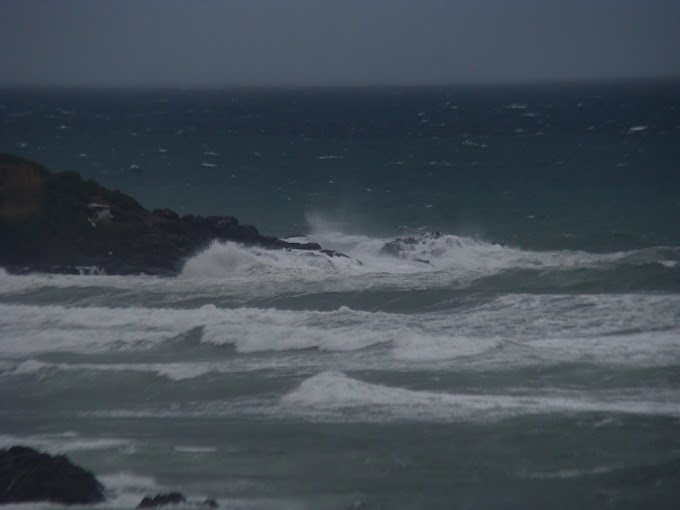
[61,223]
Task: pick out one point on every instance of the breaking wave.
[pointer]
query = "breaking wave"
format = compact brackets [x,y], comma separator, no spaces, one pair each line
[436,260]
[335,396]
[628,328]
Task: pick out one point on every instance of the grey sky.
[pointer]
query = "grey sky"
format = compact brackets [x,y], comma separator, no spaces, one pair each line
[288,42]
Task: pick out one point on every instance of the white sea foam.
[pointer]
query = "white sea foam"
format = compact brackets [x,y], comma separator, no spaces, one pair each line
[432,262]
[335,396]
[66,442]
[637,349]
[30,367]
[452,258]
[175,371]
[125,489]
[125,480]
[457,258]
[229,260]
[619,329]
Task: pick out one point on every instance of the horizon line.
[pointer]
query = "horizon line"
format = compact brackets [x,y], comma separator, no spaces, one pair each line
[347,85]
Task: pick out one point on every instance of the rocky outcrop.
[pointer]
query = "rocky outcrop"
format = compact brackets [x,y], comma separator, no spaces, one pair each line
[28,475]
[408,247]
[175,498]
[59,222]
[171,498]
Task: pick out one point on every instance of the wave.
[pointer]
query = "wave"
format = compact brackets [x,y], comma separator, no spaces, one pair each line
[430,261]
[334,396]
[174,371]
[629,328]
[231,259]
[125,489]
[67,442]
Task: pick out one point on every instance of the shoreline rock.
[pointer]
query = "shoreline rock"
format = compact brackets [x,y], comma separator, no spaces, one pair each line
[175,498]
[406,247]
[28,475]
[61,223]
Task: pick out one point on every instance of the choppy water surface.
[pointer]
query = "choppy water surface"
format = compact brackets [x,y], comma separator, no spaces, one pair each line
[528,358]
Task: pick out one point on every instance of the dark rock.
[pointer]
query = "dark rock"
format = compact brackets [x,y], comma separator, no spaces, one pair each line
[404,245]
[60,223]
[396,247]
[175,498]
[28,475]
[191,219]
[171,498]
[331,253]
[166,213]
[223,221]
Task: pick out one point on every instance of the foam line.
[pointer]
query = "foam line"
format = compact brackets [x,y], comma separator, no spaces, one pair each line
[595,328]
[331,395]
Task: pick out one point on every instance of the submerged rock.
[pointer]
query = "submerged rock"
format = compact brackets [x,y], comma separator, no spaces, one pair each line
[61,223]
[29,475]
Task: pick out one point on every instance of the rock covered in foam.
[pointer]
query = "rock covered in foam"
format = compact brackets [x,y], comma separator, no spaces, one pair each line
[405,246]
[58,222]
[29,475]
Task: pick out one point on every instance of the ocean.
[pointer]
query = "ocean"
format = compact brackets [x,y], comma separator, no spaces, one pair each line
[522,351]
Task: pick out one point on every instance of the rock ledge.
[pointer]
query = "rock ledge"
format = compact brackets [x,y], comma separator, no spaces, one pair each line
[28,475]
[61,223]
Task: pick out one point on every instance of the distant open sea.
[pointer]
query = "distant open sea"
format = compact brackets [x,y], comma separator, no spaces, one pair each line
[529,357]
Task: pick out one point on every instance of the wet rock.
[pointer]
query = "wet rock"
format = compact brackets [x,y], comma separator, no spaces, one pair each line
[396,247]
[166,213]
[171,498]
[29,475]
[59,222]
[402,246]
[175,498]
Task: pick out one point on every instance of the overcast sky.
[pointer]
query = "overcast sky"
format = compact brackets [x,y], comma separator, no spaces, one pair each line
[300,42]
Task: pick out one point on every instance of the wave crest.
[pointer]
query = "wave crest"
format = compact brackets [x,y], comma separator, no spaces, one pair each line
[334,396]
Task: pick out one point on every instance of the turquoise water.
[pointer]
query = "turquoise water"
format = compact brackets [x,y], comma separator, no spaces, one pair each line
[526,357]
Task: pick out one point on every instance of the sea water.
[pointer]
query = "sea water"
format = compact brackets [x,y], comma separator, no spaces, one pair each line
[527,356]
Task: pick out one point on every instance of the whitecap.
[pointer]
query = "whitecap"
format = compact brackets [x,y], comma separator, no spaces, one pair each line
[67,442]
[125,489]
[333,396]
